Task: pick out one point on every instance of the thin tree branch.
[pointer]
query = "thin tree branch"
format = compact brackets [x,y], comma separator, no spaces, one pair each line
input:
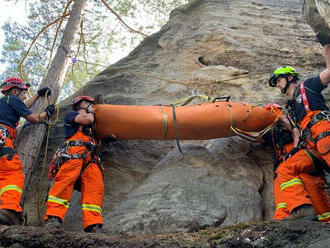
[38,43]
[34,40]
[122,21]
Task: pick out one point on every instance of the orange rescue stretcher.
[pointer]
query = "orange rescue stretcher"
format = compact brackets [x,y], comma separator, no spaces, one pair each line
[194,122]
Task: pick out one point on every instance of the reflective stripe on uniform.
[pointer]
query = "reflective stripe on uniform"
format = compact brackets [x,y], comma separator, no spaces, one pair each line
[10,187]
[281,205]
[60,201]
[91,207]
[290,183]
[323,216]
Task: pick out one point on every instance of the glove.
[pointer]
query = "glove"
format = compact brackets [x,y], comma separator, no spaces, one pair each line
[323,39]
[43,91]
[50,110]
[269,106]
[109,139]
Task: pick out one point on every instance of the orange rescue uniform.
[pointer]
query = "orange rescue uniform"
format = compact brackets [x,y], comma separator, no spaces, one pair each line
[308,187]
[92,187]
[11,175]
[308,109]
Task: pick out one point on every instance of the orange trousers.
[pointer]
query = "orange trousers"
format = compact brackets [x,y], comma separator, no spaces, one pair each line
[92,188]
[11,177]
[294,181]
[281,207]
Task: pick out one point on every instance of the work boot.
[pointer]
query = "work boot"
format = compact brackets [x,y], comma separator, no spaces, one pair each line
[96,228]
[10,217]
[53,221]
[303,212]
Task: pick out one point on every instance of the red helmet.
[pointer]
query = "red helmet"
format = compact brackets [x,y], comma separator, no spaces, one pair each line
[12,82]
[78,99]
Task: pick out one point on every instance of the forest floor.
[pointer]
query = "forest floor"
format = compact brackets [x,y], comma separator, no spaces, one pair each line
[299,233]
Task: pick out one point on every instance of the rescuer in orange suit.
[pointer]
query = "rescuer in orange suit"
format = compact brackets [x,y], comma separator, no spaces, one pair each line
[311,184]
[12,108]
[309,114]
[76,164]
[311,188]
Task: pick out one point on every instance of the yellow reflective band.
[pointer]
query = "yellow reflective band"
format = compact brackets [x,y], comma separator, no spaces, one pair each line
[281,205]
[290,183]
[10,187]
[63,202]
[323,216]
[91,207]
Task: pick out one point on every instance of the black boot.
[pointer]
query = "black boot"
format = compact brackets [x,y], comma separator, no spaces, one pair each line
[10,217]
[96,228]
[303,212]
[53,221]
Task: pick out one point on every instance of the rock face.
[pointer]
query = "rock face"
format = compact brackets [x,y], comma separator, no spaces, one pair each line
[194,190]
[317,14]
[219,47]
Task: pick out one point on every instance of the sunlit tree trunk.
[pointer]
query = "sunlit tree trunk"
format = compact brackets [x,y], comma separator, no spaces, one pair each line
[29,143]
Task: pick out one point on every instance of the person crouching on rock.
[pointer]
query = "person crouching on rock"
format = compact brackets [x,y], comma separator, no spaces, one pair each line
[310,186]
[310,114]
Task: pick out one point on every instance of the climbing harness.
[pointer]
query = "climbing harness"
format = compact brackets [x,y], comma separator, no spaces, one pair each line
[5,150]
[306,132]
[62,155]
[319,164]
[321,116]
[4,133]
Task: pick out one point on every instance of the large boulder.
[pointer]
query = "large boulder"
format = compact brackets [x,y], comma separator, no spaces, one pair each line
[205,186]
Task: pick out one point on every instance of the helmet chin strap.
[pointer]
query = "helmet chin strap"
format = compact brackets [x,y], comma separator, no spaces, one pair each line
[287,85]
[86,109]
[19,92]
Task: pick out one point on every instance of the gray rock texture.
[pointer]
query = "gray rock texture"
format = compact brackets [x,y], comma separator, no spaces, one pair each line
[220,47]
[193,190]
[317,14]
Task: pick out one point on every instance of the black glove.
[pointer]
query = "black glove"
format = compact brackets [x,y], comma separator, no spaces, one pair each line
[109,139]
[50,110]
[43,91]
[323,39]
[292,152]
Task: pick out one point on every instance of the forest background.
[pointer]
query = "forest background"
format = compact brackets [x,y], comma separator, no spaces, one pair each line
[109,30]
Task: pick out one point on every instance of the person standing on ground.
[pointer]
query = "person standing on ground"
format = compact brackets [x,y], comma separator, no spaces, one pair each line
[77,165]
[12,108]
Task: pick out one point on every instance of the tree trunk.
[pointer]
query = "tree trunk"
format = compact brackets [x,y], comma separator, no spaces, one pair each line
[29,143]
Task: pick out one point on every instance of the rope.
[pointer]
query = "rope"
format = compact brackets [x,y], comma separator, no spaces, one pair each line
[176,129]
[248,135]
[165,122]
[186,100]
[49,124]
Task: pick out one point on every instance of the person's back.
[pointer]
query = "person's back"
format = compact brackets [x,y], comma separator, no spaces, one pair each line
[12,108]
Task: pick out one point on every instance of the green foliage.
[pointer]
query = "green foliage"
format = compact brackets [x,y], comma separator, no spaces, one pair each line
[102,37]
